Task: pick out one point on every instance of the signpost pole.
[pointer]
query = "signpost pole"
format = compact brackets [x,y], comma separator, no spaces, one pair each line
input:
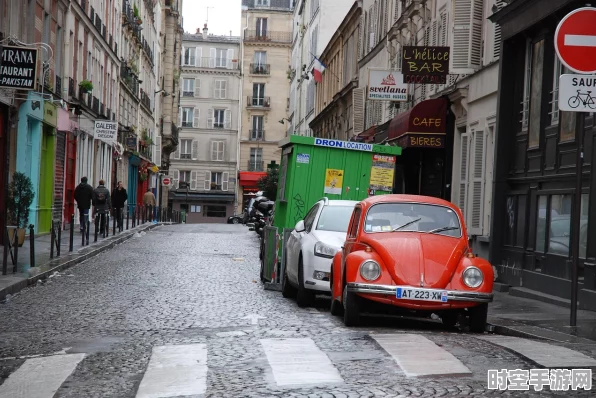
[577,204]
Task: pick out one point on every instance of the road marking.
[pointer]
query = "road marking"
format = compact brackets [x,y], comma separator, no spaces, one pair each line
[299,361]
[418,356]
[40,377]
[547,355]
[580,40]
[254,318]
[175,370]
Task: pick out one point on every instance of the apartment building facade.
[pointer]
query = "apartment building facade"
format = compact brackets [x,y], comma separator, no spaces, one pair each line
[310,36]
[265,55]
[207,155]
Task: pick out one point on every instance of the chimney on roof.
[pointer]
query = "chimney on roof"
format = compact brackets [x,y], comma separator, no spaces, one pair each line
[205,30]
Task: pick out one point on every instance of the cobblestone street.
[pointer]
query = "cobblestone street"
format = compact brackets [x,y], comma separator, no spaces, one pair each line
[109,327]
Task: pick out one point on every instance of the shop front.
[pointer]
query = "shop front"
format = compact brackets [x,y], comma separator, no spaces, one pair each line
[3,168]
[203,207]
[66,157]
[425,133]
[29,137]
[535,163]
[133,183]
[248,185]
[47,169]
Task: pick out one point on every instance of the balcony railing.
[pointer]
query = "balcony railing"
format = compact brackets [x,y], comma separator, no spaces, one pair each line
[95,106]
[145,100]
[147,50]
[258,102]
[186,123]
[255,165]
[283,5]
[92,14]
[257,135]
[71,87]
[84,5]
[260,69]
[206,62]
[268,36]
[129,79]
[102,109]
[89,100]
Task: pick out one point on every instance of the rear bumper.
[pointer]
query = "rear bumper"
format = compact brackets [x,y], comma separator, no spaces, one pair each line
[391,290]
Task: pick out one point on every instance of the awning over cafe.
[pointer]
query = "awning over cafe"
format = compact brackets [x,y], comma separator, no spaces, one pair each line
[423,126]
[250,178]
[366,135]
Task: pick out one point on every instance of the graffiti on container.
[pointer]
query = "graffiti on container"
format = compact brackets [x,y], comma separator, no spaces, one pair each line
[299,207]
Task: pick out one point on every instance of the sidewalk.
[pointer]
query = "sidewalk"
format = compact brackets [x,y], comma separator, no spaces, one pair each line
[44,266]
[522,317]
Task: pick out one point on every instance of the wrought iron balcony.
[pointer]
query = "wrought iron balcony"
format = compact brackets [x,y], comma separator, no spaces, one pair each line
[145,100]
[92,14]
[186,123]
[58,88]
[267,36]
[71,87]
[258,102]
[255,165]
[206,62]
[95,106]
[257,135]
[260,69]
[102,109]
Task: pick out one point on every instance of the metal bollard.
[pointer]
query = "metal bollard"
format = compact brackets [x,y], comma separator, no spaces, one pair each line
[52,240]
[71,240]
[106,225]
[85,232]
[59,246]
[96,228]
[127,218]
[31,246]
[138,215]
[88,222]
[134,217]
[114,222]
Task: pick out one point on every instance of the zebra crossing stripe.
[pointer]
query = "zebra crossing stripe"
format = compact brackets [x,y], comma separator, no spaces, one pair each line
[418,356]
[544,354]
[40,377]
[298,361]
[175,370]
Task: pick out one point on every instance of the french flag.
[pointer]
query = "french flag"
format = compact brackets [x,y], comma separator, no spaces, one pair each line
[318,69]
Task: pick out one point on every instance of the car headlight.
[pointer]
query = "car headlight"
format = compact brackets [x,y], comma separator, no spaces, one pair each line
[323,250]
[370,270]
[473,277]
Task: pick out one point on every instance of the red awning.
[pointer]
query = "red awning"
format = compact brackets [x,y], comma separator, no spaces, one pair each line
[366,135]
[250,178]
[425,122]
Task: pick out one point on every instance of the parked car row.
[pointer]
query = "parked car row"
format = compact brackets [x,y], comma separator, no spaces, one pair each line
[404,253]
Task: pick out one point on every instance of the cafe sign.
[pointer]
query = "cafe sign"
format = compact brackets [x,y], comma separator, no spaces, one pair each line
[18,67]
[106,131]
[425,65]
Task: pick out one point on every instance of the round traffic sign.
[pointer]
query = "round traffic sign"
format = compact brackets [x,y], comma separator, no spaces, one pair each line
[166,181]
[575,40]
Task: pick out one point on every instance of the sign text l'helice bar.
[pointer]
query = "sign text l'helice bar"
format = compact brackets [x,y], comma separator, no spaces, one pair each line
[18,68]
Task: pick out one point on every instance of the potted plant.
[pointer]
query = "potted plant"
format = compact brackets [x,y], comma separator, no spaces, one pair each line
[136,14]
[86,86]
[19,200]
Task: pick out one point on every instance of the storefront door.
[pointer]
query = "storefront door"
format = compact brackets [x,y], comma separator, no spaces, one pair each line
[133,180]
[46,180]
[70,179]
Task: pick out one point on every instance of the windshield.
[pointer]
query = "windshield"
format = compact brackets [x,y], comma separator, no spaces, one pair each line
[408,217]
[335,218]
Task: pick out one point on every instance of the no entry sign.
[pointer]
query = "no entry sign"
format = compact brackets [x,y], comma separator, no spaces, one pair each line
[575,40]
[166,181]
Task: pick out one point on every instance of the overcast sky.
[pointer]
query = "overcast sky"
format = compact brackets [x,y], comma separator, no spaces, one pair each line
[224,15]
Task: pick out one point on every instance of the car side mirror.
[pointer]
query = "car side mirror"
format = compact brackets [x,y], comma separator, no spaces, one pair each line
[300,226]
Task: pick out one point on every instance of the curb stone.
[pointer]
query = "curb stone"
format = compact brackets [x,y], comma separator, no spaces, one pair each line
[79,258]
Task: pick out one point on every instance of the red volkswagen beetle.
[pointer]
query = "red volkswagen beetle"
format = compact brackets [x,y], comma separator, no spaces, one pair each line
[410,252]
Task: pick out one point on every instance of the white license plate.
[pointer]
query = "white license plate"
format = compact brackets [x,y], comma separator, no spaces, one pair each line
[407,293]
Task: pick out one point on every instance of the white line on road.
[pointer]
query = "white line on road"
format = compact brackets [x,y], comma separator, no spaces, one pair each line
[175,370]
[580,40]
[547,355]
[299,361]
[418,356]
[40,377]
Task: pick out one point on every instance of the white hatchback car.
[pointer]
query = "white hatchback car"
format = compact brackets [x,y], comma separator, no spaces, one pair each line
[311,246]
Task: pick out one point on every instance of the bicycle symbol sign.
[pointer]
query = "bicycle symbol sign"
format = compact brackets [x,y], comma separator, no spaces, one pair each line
[577,93]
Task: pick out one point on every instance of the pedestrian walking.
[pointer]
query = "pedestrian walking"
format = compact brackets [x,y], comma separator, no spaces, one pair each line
[149,200]
[83,194]
[119,198]
[101,206]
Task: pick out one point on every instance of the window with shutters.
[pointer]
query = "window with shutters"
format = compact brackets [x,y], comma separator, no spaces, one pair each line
[185,149]
[184,176]
[188,87]
[189,56]
[314,7]
[554,95]
[257,132]
[255,163]
[477,180]
[358,95]
[219,118]
[261,27]
[467,35]
[313,40]
[497,33]
[216,180]
[536,94]
[525,112]
[187,116]
[463,174]
[217,151]
[220,89]
[310,97]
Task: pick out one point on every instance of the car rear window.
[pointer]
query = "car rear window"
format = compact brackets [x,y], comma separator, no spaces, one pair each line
[408,217]
[335,218]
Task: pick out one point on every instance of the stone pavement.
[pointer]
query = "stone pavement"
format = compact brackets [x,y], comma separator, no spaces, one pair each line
[179,312]
[44,265]
[518,316]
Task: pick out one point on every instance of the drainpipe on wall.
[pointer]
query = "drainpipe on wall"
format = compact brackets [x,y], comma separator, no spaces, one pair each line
[240,198]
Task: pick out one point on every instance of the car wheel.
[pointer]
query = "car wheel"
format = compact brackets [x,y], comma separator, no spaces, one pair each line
[478,318]
[304,297]
[351,304]
[287,290]
[336,307]
[449,318]
[234,220]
